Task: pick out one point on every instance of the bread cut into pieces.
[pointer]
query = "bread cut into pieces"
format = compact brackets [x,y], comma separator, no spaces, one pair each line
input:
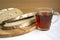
[10,14]
[18,22]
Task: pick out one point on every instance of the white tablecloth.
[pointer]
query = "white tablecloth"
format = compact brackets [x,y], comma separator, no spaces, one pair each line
[52,34]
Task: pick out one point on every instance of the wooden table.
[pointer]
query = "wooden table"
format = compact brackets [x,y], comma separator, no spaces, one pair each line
[30,5]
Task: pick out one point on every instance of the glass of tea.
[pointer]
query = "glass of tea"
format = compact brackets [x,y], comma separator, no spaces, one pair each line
[43,18]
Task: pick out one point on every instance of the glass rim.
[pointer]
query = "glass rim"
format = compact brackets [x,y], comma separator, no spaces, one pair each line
[45,9]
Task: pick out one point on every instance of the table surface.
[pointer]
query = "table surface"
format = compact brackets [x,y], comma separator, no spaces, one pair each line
[30,5]
[52,34]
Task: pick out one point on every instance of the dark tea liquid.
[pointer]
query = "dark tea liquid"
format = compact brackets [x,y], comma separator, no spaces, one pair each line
[43,20]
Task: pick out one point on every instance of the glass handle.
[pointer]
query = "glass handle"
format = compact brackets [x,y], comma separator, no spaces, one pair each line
[55,17]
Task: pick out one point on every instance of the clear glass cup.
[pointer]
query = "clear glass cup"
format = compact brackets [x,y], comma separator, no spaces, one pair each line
[44,17]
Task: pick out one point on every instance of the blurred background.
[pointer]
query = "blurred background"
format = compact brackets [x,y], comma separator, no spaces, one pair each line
[30,5]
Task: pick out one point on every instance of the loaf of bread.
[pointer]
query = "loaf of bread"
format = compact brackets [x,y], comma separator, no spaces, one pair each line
[14,22]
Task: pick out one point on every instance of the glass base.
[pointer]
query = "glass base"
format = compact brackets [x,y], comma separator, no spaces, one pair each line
[41,29]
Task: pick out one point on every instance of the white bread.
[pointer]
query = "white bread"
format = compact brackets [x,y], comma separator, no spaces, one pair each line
[19,22]
[28,14]
[12,13]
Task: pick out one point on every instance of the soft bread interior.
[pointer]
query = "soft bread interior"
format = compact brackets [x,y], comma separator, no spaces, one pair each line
[24,16]
[18,22]
[10,14]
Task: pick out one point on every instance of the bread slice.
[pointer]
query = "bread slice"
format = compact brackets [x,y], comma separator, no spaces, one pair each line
[19,24]
[22,17]
[13,13]
[16,32]
[28,15]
